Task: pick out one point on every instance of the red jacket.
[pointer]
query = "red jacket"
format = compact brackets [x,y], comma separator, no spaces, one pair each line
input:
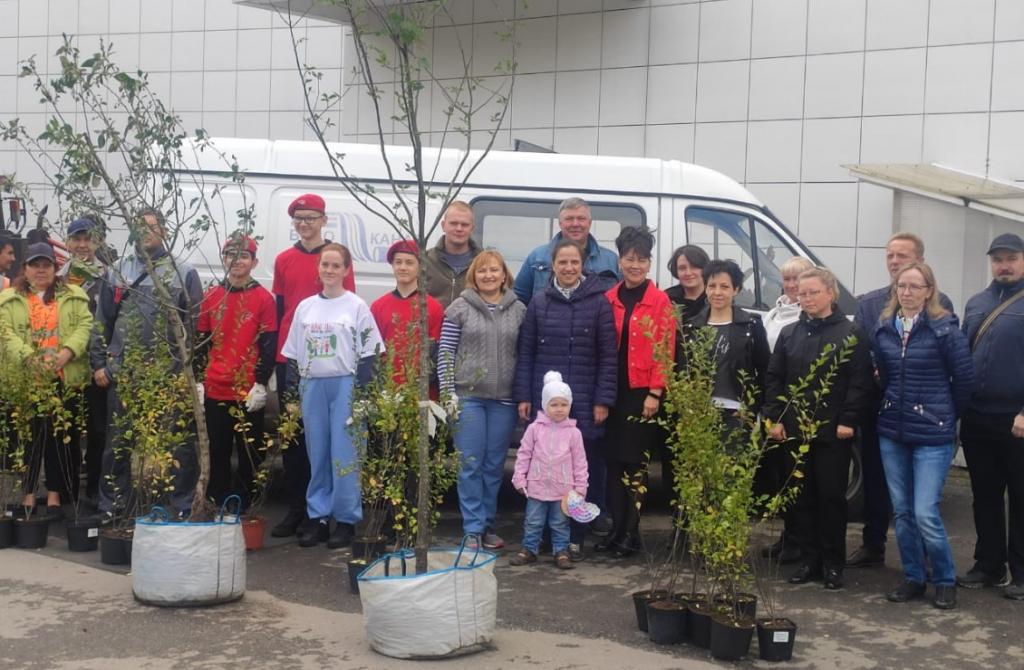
[653,314]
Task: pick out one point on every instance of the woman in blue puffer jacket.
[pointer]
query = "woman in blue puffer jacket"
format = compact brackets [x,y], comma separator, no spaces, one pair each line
[569,328]
[925,366]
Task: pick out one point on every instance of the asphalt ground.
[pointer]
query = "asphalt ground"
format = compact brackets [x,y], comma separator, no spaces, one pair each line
[64,610]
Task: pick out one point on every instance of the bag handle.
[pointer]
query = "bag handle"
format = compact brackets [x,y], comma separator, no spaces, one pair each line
[238,508]
[462,548]
[158,513]
[987,323]
[403,554]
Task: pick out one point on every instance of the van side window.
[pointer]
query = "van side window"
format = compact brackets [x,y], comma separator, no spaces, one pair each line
[772,255]
[725,236]
[517,227]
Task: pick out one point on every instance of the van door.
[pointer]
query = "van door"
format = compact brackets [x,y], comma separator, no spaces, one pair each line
[758,246]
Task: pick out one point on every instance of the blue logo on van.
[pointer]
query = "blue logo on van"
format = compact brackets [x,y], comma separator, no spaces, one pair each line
[368,246]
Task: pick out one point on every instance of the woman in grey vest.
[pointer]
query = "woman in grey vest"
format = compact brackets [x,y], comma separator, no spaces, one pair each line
[476,365]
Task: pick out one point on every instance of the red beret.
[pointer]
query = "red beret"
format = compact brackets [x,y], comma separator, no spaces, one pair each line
[240,243]
[402,247]
[308,201]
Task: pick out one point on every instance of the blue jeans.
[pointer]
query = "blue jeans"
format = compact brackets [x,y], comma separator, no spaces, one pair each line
[915,476]
[334,463]
[540,513]
[482,438]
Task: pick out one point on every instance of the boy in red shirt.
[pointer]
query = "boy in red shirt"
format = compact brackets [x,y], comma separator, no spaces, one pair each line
[238,327]
[397,313]
[296,277]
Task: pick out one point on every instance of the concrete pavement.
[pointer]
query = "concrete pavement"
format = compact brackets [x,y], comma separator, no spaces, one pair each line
[62,610]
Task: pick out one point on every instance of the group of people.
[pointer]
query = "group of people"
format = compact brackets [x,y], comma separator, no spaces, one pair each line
[570,346]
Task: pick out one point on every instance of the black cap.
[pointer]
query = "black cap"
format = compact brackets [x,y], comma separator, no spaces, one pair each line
[1006,242]
[40,250]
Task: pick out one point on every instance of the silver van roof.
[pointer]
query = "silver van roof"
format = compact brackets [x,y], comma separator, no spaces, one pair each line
[563,172]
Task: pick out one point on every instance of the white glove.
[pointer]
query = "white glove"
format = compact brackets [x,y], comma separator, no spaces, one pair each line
[201,390]
[256,399]
[452,407]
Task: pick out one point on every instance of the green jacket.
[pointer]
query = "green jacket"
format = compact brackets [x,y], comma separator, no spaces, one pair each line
[74,326]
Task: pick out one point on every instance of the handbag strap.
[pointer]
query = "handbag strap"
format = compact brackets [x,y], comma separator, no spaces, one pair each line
[987,323]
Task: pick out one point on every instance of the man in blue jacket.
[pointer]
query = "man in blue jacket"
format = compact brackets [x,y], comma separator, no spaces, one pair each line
[992,430]
[574,221]
[902,249]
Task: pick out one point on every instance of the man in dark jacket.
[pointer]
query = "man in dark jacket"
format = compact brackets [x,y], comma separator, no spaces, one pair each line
[992,430]
[447,263]
[129,310]
[902,249]
[818,517]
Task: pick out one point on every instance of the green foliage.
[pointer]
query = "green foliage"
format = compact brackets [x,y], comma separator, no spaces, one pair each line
[714,462]
[386,429]
[31,391]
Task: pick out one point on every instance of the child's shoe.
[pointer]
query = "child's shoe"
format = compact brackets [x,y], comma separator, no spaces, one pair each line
[523,557]
[563,562]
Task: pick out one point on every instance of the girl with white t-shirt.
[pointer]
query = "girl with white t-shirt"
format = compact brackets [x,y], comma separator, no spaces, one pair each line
[334,340]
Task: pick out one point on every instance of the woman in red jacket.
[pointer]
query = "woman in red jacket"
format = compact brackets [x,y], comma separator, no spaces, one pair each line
[644,322]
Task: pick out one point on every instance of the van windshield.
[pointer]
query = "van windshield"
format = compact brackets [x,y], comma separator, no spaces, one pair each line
[752,245]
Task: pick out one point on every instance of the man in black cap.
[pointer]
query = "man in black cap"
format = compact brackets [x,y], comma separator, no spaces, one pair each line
[85,269]
[992,430]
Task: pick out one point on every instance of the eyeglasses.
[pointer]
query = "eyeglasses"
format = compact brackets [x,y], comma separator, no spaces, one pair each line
[306,219]
[814,293]
[911,288]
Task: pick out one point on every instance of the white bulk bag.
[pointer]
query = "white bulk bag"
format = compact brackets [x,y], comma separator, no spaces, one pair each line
[184,563]
[447,611]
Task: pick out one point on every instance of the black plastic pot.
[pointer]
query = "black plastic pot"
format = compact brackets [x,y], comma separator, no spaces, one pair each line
[355,566]
[730,639]
[82,535]
[698,623]
[775,638]
[6,532]
[31,533]
[368,548]
[115,548]
[690,599]
[745,605]
[666,621]
[640,600]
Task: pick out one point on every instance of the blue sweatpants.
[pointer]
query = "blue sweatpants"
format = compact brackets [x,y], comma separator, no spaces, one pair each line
[334,477]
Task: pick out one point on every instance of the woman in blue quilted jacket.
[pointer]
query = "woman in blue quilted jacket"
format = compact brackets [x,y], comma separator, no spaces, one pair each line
[569,328]
[925,367]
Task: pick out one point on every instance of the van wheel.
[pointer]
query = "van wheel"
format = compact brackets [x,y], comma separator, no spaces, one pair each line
[855,487]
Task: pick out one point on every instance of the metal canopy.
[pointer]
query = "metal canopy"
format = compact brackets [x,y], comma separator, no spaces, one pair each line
[942,183]
[301,8]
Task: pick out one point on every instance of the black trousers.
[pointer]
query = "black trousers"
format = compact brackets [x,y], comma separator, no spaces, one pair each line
[774,472]
[59,461]
[817,518]
[95,436]
[622,500]
[226,441]
[995,460]
[294,458]
[877,506]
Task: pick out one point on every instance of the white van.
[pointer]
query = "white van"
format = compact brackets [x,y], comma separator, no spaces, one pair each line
[515,198]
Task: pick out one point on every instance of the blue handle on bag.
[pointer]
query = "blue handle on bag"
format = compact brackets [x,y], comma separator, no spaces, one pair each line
[403,554]
[462,548]
[238,508]
[158,513]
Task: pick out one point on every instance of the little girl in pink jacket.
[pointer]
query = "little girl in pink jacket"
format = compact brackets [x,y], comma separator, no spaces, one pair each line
[550,463]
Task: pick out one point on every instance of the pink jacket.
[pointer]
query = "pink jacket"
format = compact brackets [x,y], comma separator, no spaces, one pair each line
[551,460]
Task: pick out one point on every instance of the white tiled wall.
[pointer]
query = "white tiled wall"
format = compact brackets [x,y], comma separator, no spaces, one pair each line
[777,94]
